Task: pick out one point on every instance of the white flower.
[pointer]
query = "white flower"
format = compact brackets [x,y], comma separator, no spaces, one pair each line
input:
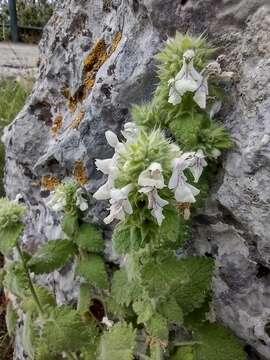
[202,93]
[120,205]
[155,203]
[104,192]
[187,80]
[107,322]
[130,131]
[113,141]
[183,192]
[197,165]
[152,176]
[81,202]
[183,162]
[57,201]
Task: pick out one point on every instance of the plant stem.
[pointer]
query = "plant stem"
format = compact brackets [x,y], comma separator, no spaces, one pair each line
[31,286]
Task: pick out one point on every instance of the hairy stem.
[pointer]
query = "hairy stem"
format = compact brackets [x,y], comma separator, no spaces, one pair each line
[31,286]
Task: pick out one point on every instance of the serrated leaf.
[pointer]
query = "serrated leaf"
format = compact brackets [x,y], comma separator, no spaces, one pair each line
[44,296]
[173,228]
[69,224]
[51,256]
[120,282]
[156,352]
[92,268]
[171,311]
[217,342]
[157,327]
[117,343]
[126,237]
[192,294]
[144,309]
[64,330]
[11,319]
[161,277]
[9,237]
[27,336]
[15,279]
[89,238]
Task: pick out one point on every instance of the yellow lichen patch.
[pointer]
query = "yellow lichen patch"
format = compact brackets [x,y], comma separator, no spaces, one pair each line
[77,120]
[116,40]
[80,173]
[97,56]
[49,182]
[57,123]
[93,61]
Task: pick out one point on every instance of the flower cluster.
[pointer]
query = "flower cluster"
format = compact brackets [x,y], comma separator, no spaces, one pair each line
[147,162]
[190,80]
[68,196]
[11,213]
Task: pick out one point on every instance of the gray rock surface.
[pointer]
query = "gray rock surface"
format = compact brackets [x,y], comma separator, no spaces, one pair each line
[60,132]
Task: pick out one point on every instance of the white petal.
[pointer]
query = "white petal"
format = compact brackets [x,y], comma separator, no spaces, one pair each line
[112,138]
[216,153]
[105,165]
[173,180]
[130,131]
[174,97]
[157,213]
[127,207]
[104,192]
[186,193]
[215,108]
[201,94]
[184,85]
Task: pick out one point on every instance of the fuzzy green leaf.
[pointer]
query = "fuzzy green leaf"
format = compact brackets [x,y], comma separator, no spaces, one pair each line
[144,310]
[89,238]
[173,228]
[117,343]
[45,298]
[64,330]
[120,282]
[69,224]
[161,277]
[157,352]
[93,269]
[157,326]
[51,256]
[11,319]
[9,237]
[171,311]
[28,336]
[217,342]
[192,294]
[16,280]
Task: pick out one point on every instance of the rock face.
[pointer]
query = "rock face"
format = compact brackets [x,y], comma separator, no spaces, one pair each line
[97,59]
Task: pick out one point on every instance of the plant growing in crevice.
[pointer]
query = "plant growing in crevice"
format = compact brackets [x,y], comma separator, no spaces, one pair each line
[157,303]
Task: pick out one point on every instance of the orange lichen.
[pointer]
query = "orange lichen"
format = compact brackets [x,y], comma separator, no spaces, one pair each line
[80,173]
[77,120]
[49,182]
[57,123]
[93,61]
[97,56]
[116,40]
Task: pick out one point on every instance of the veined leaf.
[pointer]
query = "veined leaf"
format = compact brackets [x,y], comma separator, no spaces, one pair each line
[51,256]
[192,294]
[157,327]
[89,238]
[69,224]
[117,343]
[120,282]
[11,319]
[92,268]
[9,237]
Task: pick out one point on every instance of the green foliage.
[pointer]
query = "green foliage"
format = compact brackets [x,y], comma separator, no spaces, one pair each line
[157,326]
[92,268]
[171,311]
[51,256]
[90,238]
[28,336]
[120,282]
[173,230]
[15,279]
[117,343]
[217,342]
[184,353]
[11,319]
[69,224]
[64,330]
[11,215]
[192,294]
[45,298]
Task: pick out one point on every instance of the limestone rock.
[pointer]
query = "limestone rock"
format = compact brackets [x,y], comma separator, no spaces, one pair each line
[96,60]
